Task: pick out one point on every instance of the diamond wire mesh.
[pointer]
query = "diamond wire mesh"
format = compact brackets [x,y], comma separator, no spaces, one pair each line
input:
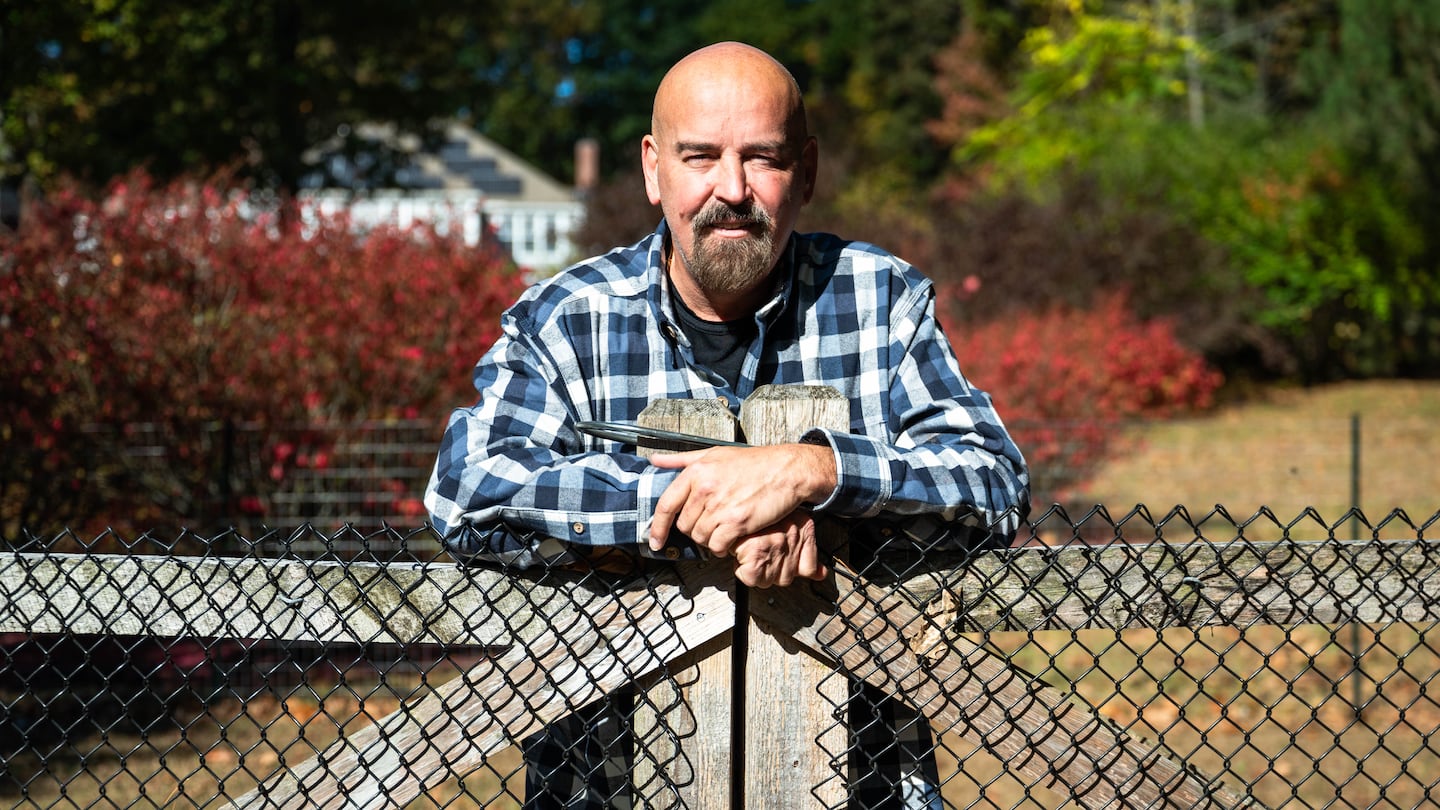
[1108,661]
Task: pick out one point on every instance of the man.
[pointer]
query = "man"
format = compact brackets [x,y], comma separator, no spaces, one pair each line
[722,298]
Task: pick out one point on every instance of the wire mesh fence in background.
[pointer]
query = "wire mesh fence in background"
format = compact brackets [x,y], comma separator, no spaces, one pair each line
[259,480]
[268,481]
[1174,659]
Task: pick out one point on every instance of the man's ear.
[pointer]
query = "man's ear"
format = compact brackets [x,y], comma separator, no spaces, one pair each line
[810,165]
[650,165]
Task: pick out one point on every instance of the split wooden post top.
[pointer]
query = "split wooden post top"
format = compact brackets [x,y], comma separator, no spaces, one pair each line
[763,715]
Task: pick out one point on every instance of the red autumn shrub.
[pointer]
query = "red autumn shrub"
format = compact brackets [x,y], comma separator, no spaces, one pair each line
[1066,379]
[181,306]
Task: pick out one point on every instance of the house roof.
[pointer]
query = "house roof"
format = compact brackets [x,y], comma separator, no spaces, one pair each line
[374,156]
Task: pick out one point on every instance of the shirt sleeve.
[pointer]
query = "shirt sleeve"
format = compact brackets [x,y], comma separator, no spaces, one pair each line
[514,466]
[948,468]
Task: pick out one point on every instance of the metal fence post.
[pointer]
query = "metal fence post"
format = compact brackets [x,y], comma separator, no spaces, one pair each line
[1357,699]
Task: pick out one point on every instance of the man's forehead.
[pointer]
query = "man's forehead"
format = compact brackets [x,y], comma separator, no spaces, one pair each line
[748,124]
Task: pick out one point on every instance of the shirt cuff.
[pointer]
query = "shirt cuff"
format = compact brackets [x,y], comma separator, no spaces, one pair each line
[863,479]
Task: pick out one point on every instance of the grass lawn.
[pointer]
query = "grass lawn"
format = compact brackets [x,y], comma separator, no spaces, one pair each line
[1290,449]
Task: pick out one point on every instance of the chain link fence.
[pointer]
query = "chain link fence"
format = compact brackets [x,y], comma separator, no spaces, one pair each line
[1107,660]
[311,645]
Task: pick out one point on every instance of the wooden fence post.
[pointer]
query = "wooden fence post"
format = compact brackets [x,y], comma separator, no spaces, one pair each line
[692,706]
[793,742]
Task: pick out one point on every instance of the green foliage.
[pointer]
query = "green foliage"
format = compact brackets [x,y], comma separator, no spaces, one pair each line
[1080,81]
[1374,74]
[1375,77]
[882,66]
[94,88]
[1336,255]
[866,67]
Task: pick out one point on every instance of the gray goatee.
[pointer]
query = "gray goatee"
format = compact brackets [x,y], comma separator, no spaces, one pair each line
[730,265]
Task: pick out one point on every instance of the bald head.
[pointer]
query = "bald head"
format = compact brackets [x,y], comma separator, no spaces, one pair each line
[729,69]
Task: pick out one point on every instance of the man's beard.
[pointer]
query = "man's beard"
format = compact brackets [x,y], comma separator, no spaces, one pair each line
[730,265]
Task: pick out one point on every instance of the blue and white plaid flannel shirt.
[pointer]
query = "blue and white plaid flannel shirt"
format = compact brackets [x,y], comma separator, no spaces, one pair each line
[601,340]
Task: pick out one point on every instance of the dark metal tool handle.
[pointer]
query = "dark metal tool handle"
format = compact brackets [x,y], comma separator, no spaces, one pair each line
[627,433]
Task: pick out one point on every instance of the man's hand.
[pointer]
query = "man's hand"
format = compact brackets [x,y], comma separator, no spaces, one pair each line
[726,494]
[780,554]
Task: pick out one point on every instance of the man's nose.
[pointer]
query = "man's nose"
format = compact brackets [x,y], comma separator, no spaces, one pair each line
[731,185]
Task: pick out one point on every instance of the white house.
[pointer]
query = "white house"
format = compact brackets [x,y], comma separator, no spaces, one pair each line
[469,182]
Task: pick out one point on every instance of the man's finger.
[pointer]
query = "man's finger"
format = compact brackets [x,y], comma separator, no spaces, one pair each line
[672,500]
[720,539]
[787,572]
[810,565]
[749,575]
[675,461]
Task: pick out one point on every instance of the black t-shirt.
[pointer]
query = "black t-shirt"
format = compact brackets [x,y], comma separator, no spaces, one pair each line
[718,345]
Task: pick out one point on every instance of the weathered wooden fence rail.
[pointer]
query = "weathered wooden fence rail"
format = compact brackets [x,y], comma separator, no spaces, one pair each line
[1116,587]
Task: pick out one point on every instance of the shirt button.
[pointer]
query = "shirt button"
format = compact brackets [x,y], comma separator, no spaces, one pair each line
[672,553]
[578,527]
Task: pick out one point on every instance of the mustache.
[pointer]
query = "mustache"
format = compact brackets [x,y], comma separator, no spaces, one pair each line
[716,213]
